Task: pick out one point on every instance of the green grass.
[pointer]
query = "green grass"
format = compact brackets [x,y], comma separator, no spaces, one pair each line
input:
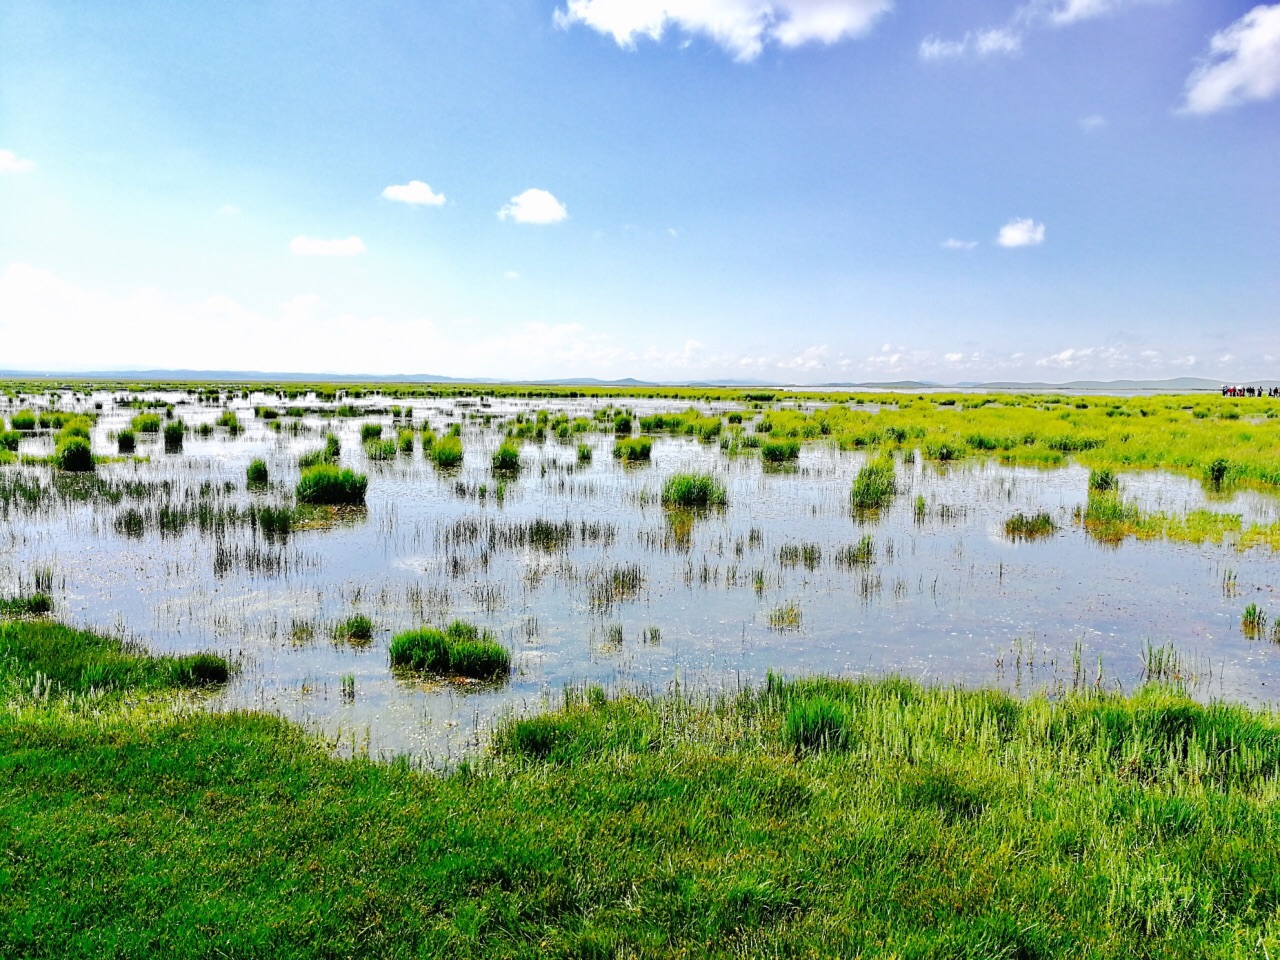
[78,661]
[446,452]
[506,459]
[23,420]
[72,453]
[874,486]
[256,473]
[370,431]
[693,490]
[327,484]
[404,439]
[174,431]
[1023,527]
[779,451]
[631,449]
[329,453]
[811,818]
[584,453]
[126,442]
[459,650]
[146,423]
[357,629]
[9,440]
[28,605]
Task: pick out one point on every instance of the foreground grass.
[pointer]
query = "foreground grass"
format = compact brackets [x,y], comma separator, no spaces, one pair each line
[816,818]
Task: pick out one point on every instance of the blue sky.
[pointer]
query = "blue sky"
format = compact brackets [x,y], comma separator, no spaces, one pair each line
[803,190]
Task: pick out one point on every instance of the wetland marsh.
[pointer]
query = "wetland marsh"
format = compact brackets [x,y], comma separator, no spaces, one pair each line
[839,534]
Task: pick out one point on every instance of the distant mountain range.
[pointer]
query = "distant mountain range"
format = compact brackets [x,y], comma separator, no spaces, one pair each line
[1172,385]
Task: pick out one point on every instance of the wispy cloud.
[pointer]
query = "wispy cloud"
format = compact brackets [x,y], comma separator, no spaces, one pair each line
[414,192]
[1243,64]
[954,244]
[1021,233]
[10,162]
[1007,40]
[311,247]
[534,206]
[742,27]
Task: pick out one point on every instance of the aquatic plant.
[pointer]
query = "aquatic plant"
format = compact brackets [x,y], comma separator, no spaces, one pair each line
[459,650]
[860,554]
[329,485]
[23,420]
[357,629]
[447,451]
[405,440]
[72,453]
[27,605]
[785,617]
[1023,527]
[329,453]
[584,453]
[875,485]
[381,450]
[9,440]
[174,431]
[506,459]
[1102,480]
[370,431]
[229,420]
[632,449]
[1254,621]
[256,473]
[146,423]
[693,490]
[779,451]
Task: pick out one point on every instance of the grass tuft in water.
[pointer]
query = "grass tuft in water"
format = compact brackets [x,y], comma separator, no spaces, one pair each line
[256,474]
[632,449]
[459,650]
[326,484]
[1023,527]
[126,442]
[447,451]
[28,605]
[779,451]
[506,459]
[693,490]
[1254,621]
[356,629]
[874,486]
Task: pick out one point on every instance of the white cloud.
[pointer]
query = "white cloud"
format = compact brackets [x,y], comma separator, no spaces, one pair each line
[1021,233]
[1007,40]
[415,192]
[10,162]
[741,27]
[511,275]
[1092,122]
[228,210]
[310,247]
[534,206]
[975,43]
[1243,64]
[954,244]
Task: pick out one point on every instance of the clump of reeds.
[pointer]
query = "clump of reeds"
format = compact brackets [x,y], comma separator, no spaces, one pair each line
[632,449]
[174,431]
[785,617]
[779,451]
[1253,622]
[256,474]
[1216,472]
[506,459]
[328,485]
[380,449]
[861,554]
[229,420]
[329,454]
[28,605]
[584,453]
[1102,480]
[146,423]
[693,490]
[1023,527]
[447,451]
[875,484]
[356,629]
[24,420]
[9,440]
[370,431]
[72,454]
[404,438]
[459,650]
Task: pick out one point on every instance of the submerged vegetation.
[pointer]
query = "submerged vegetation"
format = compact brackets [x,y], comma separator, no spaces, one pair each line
[1023,527]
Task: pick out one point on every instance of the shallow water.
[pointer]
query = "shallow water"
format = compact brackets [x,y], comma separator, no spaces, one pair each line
[946,597]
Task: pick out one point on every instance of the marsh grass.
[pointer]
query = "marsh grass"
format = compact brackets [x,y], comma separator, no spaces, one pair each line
[328,485]
[174,431]
[446,452]
[786,617]
[779,451]
[357,629]
[329,453]
[584,453]
[459,650]
[23,420]
[27,605]
[506,459]
[9,440]
[693,490]
[256,474]
[874,486]
[1253,621]
[78,661]
[631,449]
[73,454]
[146,423]
[1034,527]
[370,431]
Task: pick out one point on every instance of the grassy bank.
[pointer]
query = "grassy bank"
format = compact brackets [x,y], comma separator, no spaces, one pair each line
[814,818]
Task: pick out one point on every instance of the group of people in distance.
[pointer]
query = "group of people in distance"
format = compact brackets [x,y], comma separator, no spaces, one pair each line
[1229,391]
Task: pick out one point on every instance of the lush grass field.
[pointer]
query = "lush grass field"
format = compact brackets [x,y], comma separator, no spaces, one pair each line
[816,818]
